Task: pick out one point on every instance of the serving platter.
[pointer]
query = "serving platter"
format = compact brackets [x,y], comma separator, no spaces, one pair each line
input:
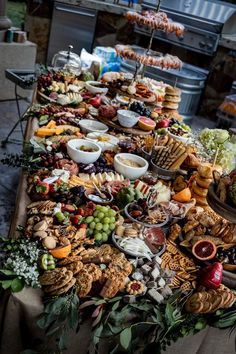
[115,126]
[226,211]
[133,254]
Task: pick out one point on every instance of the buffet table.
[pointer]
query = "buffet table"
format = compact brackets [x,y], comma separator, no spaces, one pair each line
[127,221]
[20,311]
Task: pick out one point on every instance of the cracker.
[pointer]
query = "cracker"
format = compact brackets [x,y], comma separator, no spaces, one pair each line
[60,283]
[64,289]
[50,276]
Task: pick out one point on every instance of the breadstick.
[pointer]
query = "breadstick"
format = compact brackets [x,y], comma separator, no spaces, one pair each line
[178,162]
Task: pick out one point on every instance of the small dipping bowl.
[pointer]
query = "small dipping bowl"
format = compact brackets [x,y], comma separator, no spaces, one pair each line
[129,171]
[89,126]
[161,172]
[91,195]
[96,87]
[80,156]
[127,118]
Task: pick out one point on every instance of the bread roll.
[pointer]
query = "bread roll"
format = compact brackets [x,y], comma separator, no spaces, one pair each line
[203,182]
[199,200]
[205,171]
[173,91]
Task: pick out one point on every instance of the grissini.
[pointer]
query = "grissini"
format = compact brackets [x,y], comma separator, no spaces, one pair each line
[178,162]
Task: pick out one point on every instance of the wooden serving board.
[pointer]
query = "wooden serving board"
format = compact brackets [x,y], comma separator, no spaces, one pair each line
[116,126]
[226,211]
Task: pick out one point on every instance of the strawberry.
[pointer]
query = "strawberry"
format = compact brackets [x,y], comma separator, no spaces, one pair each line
[80,211]
[75,219]
[83,226]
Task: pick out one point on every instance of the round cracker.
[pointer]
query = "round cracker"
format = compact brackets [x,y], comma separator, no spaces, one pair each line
[69,260]
[51,276]
[75,267]
[216,301]
[84,282]
[64,289]
[59,284]
[193,306]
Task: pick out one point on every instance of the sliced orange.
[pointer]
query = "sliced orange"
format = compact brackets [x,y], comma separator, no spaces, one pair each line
[61,252]
[204,250]
[183,196]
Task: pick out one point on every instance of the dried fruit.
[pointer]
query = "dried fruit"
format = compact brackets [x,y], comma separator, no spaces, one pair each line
[61,252]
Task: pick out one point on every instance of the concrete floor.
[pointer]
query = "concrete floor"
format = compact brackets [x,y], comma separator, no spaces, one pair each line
[9,176]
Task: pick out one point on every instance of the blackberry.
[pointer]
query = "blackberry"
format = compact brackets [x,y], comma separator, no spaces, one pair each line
[140,108]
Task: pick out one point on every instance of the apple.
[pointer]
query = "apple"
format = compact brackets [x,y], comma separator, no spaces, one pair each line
[164,123]
[95,101]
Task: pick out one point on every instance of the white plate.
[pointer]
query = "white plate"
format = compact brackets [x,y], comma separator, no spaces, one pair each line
[111,144]
[133,254]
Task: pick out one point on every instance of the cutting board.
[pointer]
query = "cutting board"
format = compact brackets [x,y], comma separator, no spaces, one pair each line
[116,126]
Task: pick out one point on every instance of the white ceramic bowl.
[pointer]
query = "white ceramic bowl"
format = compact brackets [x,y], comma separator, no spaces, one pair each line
[89,126]
[127,118]
[184,139]
[128,171]
[96,87]
[80,156]
[110,144]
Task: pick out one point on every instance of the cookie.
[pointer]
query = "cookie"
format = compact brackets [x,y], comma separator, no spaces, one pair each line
[93,270]
[216,301]
[51,276]
[83,283]
[64,289]
[193,306]
[75,267]
[60,283]
[69,260]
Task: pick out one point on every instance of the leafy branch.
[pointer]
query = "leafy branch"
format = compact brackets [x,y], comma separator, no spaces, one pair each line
[61,314]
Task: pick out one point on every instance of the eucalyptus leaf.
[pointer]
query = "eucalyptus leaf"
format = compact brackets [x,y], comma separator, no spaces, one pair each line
[169,314]
[87,303]
[45,321]
[114,299]
[114,330]
[98,318]
[6,284]
[53,331]
[97,333]
[7,272]
[142,307]
[73,318]
[100,302]
[158,317]
[55,305]
[17,285]
[62,344]
[125,337]
[115,306]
